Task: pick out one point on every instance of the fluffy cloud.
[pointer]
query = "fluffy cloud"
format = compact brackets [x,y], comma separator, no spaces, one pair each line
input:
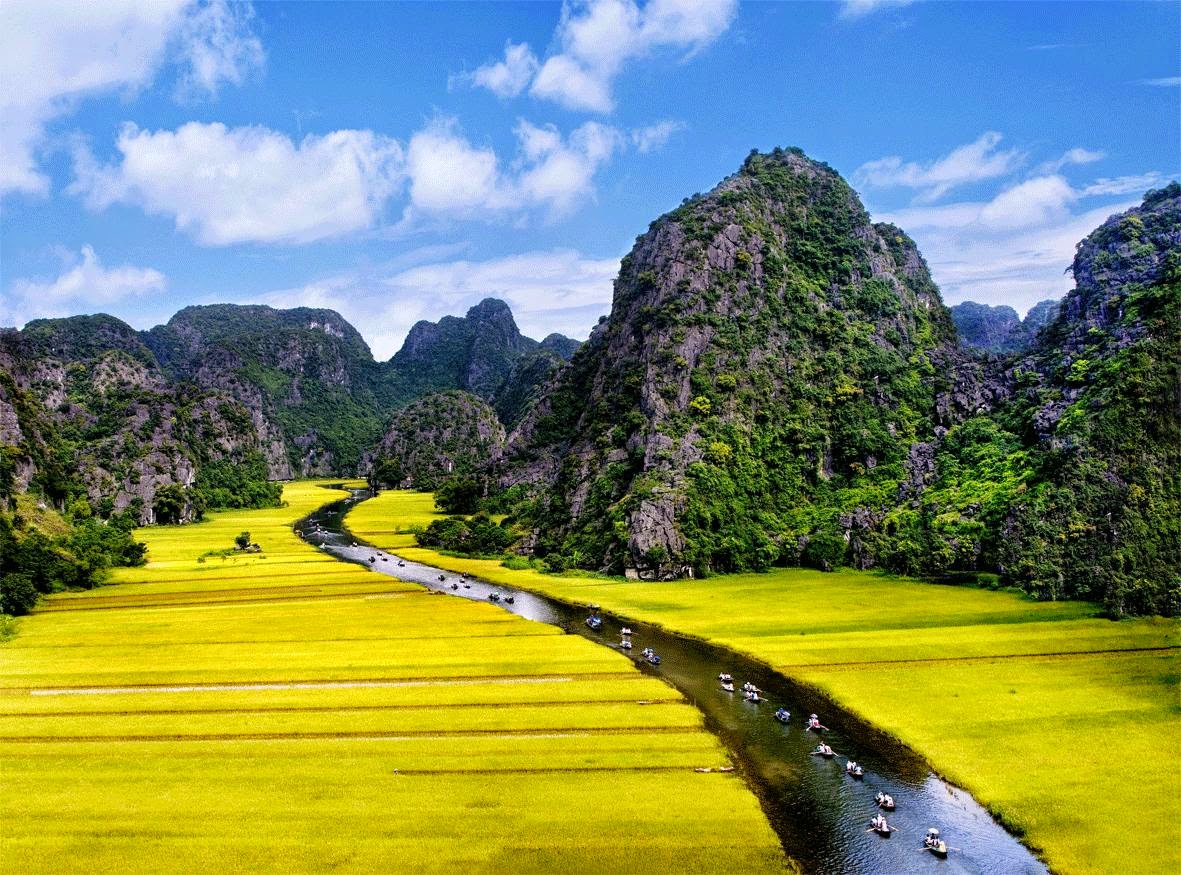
[1014,248]
[217,47]
[509,77]
[231,185]
[559,290]
[596,39]
[972,162]
[450,176]
[862,8]
[83,286]
[653,137]
[58,53]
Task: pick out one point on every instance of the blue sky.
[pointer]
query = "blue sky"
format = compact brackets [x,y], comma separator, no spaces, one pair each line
[398,161]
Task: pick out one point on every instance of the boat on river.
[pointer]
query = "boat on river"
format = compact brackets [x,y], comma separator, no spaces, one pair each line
[881,827]
[815,725]
[823,750]
[783,715]
[494,596]
[752,696]
[933,843]
[728,686]
[885,801]
[594,623]
[853,770]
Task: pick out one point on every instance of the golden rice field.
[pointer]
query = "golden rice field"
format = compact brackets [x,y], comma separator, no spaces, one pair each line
[1066,725]
[286,712]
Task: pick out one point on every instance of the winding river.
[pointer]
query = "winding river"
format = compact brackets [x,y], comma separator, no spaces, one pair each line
[820,814]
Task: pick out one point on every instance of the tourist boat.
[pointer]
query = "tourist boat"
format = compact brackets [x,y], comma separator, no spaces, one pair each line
[728,686]
[815,725]
[934,843]
[494,596]
[748,687]
[625,644]
[853,770]
[882,828]
[594,623]
[510,599]
[752,696]
[401,564]
[725,678]
[625,631]
[823,750]
[653,659]
[455,586]
[783,715]
[372,558]
[885,802]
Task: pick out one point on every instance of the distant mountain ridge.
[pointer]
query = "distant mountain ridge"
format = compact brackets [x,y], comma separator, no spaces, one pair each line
[280,393]
[998,328]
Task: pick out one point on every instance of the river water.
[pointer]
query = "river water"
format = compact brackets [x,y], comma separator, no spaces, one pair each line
[820,814]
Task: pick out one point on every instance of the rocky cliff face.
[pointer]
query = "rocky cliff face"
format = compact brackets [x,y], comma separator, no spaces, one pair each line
[481,353]
[441,435]
[315,394]
[84,406]
[1098,401]
[768,347]
[998,329]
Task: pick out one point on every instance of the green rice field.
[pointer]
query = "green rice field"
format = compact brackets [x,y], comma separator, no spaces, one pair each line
[1065,725]
[286,712]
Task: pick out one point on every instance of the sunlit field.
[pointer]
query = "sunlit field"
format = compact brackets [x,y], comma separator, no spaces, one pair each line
[286,712]
[1064,724]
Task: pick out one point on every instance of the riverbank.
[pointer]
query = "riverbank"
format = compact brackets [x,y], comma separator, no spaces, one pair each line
[1062,723]
[283,711]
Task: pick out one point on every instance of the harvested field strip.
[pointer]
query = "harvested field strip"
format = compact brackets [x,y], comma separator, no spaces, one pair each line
[327,709]
[302,685]
[555,732]
[1065,654]
[253,597]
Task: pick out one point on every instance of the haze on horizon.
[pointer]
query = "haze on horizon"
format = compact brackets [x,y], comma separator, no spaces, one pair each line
[401,161]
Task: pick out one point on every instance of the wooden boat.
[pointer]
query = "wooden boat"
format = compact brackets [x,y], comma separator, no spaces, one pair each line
[883,829]
[783,715]
[854,771]
[455,586]
[885,802]
[727,686]
[594,623]
[625,631]
[654,659]
[494,596]
[625,644]
[725,678]
[372,558]
[825,751]
[933,843]
[510,599]
[752,696]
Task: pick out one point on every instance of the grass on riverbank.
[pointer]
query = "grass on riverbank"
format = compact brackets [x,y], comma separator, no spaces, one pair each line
[1063,723]
[286,712]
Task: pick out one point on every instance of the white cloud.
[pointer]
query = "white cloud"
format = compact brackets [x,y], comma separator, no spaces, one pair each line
[972,162]
[232,185]
[1164,82]
[57,53]
[596,39]
[217,46]
[556,290]
[509,77]
[1137,184]
[653,137]
[862,8]
[1015,248]
[450,176]
[226,185]
[83,286]
[1071,157]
